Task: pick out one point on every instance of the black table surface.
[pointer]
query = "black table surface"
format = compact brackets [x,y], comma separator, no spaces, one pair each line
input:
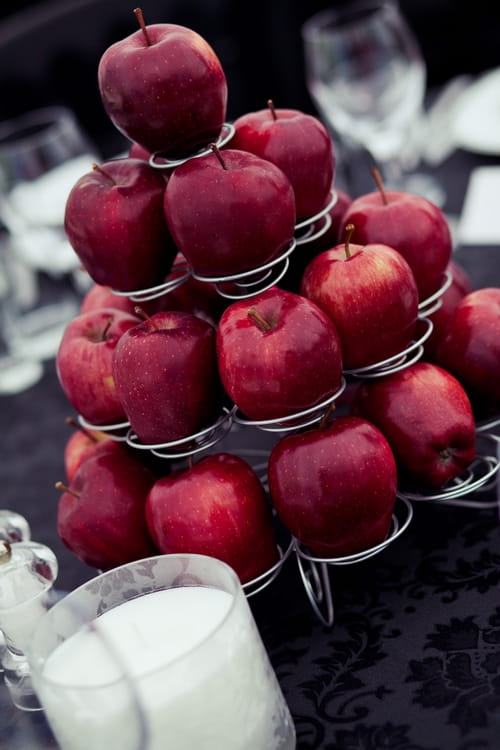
[412,660]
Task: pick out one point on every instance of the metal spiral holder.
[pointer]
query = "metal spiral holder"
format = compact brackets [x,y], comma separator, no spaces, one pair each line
[189,445]
[158,161]
[428,306]
[294,421]
[316,226]
[314,571]
[478,476]
[398,361]
[249,283]
[179,274]
[117,431]
[256,585]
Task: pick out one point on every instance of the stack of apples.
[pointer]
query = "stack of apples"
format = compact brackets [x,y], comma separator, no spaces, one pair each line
[171,365]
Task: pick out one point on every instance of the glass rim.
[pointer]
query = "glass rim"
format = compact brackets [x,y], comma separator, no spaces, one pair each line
[19,131]
[37,663]
[315,24]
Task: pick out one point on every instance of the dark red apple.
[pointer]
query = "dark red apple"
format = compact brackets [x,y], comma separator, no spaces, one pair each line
[412,225]
[80,446]
[459,287]
[101,515]
[370,294]
[299,144]
[217,507]
[278,353]
[164,87]
[426,416]
[229,212]
[115,223]
[84,363]
[470,348]
[165,370]
[334,487]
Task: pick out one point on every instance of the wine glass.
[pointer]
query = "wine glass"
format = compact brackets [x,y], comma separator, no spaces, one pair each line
[366,75]
[42,154]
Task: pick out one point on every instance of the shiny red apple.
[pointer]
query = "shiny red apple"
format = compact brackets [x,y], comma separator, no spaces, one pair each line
[470,348]
[217,507]
[370,294]
[165,370]
[101,515]
[115,223]
[84,363]
[426,416]
[229,212]
[278,354]
[334,487]
[164,87]
[299,144]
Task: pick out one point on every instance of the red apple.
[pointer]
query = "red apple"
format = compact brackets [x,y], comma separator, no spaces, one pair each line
[81,445]
[84,363]
[164,87]
[229,212]
[278,353]
[370,294]
[459,287]
[99,296]
[101,516]
[115,223]
[297,143]
[426,416]
[165,370]
[217,507]
[412,225]
[470,348]
[334,487]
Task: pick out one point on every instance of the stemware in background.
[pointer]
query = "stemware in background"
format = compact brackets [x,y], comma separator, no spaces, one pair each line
[42,154]
[367,77]
[159,652]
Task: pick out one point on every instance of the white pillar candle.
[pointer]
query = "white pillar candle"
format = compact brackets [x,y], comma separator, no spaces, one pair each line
[198,666]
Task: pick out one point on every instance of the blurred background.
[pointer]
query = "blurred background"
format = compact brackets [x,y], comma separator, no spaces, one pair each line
[50,49]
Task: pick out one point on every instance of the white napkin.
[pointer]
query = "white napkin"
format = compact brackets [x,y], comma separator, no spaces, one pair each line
[480,220]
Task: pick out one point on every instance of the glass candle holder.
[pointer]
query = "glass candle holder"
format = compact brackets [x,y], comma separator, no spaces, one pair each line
[161,651]
[27,573]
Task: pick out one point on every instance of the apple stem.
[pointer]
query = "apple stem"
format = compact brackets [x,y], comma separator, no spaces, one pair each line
[64,488]
[259,321]
[326,416]
[218,154]
[272,108]
[143,314]
[102,171]
[349,229]
[106,329]
[140,18]
[73,423]
[380,185]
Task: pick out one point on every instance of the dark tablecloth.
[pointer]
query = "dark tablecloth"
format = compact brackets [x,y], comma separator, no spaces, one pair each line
[412,661]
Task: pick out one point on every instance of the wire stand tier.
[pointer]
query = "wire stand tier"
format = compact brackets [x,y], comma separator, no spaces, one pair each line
[249,283]
[430,305]
[158,161]
[189,445]
[477,477]
[256,585]
[314,571]
[399,361]
[314,227]
[294,421]
[117,431]
[180,274]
